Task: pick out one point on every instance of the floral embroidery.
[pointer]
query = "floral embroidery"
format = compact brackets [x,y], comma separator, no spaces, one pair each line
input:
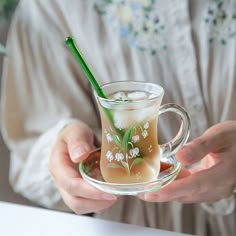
[145,133]
[119,156]
[221,16]
[134,152]
[150,148]
[136,20]
[135,138]
[138,175]
[146,125]
[109,156]
[109,137]
[125,154]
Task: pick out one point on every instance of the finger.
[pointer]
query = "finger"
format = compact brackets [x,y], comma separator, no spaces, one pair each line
[60,157]
[79,150]
[79,139]
[80,188]
[216,139]
[192,186]
[68,178]
[183,173]
[83,206]
[210,196]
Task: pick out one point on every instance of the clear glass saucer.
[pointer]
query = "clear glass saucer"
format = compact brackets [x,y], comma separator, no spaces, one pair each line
[90,172]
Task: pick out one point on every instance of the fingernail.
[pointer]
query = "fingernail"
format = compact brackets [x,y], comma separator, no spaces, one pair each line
[79,151]
[109,197]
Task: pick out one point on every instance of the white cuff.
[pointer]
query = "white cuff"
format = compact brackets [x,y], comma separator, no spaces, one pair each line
[35,182]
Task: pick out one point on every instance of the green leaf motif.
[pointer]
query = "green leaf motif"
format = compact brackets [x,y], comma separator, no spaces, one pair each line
[99,10]
[7,7]
[114,165]
[126,138]
[116,139]
[88,168]
[148,9]
[137,161]
[108,1]
[131,144]
[126,165]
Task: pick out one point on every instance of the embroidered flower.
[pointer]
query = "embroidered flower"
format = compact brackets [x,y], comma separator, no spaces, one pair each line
[119,156]
[150,148]
[136,20]
[125,14]
[145,133]
[109,156]
[138,175]
[134,152]
[146,126]
[109,137]
[135,138]
[221,18]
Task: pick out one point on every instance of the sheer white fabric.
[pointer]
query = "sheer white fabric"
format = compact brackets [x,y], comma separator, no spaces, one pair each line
[44,89]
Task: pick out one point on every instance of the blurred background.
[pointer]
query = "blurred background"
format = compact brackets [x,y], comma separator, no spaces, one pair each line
[7,8]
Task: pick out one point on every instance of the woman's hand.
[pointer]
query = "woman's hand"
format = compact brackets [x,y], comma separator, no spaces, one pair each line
[71,147]
[214,178]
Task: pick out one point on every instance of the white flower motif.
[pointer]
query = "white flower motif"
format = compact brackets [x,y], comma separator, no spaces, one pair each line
[136,20]
[119,156]
[125,14]
[145,133]
[138,175]
[109,137]
[109,156]
[135,138]
[150,148]
[146,126]
[134,152]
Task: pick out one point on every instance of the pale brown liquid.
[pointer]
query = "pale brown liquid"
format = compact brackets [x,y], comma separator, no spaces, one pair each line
[145,171]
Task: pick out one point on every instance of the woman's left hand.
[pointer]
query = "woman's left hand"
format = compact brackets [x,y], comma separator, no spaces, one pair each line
[214,178]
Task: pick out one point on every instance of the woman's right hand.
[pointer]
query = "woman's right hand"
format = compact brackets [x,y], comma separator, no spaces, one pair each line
[71,147]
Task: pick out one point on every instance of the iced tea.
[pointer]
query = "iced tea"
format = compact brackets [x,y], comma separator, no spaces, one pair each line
[130,151]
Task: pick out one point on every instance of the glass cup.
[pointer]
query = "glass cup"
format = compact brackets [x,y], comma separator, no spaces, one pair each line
[130,152]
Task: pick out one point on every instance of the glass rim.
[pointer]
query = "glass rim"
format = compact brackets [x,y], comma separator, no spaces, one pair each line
[116,102]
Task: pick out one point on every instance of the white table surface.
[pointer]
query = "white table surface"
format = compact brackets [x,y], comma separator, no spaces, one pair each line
[18,220]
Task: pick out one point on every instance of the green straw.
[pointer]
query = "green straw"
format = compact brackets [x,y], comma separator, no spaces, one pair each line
[80,59]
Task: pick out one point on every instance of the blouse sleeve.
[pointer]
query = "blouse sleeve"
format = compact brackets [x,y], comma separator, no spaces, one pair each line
[43,90]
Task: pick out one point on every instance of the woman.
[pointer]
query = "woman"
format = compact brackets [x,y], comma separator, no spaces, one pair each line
[50,118]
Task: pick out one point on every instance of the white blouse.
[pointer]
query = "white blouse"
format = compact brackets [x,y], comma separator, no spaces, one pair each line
[188,47]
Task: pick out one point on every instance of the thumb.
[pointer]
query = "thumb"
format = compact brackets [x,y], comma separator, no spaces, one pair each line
[183,173]
[198,149]
[215,140]
[79,139]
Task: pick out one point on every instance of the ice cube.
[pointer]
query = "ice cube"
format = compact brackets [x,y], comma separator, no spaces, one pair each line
[124,119]
[127,118]
[120,96]
[137,96]
[152,95]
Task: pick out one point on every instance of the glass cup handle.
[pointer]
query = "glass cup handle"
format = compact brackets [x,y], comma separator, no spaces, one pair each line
[182,136]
